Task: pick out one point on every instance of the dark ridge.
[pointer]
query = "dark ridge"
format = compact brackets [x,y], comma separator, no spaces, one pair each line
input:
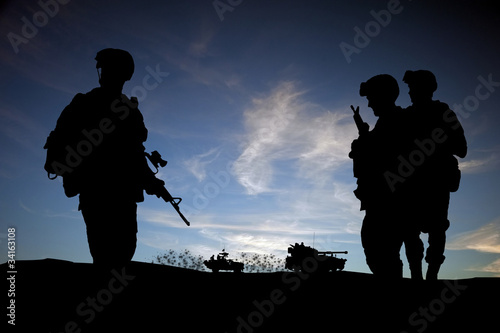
[61,296]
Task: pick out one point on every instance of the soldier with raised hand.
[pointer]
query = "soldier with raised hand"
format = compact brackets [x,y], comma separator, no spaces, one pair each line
[374,153]
[437,133]
[97,147]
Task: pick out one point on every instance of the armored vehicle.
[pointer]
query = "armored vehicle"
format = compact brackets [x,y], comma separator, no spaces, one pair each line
[223,264]
[305,257]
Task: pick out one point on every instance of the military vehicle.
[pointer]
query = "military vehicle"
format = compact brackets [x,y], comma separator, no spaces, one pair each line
[223,264]
[302,257]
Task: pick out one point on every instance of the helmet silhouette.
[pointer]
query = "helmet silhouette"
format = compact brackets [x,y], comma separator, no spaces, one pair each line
[422,79]
[117,61]
[383,85]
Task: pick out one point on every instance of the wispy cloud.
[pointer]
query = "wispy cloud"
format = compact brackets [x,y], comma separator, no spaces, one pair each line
[284,129]
[199,47]
[484,239]
[491,268]
[16,124]
[494,267]
[293,168]
[478,165]
[201,61]
[198,163]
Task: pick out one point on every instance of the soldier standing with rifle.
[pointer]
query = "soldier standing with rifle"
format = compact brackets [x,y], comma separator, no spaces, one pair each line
[97,147]
[373,153]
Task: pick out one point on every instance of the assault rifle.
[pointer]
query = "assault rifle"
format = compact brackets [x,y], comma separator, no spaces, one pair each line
[159,190]
[360,124]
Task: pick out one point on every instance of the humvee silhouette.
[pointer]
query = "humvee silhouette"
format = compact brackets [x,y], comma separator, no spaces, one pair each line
[223,264]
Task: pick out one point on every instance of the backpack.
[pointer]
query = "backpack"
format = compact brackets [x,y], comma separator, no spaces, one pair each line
[61,159]
[56,164]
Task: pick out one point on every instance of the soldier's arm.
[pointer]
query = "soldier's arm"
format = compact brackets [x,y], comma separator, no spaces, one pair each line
[140,127]
[142,131]
[456,137]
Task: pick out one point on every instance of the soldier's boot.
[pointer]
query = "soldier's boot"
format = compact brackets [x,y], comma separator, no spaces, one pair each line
[432,272]
[416,271]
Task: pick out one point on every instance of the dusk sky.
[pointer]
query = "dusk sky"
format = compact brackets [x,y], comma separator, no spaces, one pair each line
[249,103]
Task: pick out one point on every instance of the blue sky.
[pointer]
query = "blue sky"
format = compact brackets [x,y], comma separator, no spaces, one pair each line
[249,102]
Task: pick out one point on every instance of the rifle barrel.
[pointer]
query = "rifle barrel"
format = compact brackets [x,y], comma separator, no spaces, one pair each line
[176,206]
[165,195]
[333,252]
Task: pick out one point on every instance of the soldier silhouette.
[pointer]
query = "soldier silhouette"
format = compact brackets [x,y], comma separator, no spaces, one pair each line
[97,147]
[374,153]
[438,135]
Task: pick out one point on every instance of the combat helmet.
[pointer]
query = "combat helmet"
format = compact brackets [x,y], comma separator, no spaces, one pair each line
[423,79]
[383,86]
[119,61]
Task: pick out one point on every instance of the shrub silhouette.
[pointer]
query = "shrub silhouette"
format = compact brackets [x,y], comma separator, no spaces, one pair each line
[261,263]
[254,262]
[184,259]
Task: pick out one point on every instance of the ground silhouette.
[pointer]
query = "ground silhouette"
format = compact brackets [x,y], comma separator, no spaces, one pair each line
[61,296]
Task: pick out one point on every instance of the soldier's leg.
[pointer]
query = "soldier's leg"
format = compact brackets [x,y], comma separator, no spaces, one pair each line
[369,241]
[381,244]
[96,235]
[391,261]
[414,248]
[393,241]
[435,252]
[437,227]
[124,232]
[111,231]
